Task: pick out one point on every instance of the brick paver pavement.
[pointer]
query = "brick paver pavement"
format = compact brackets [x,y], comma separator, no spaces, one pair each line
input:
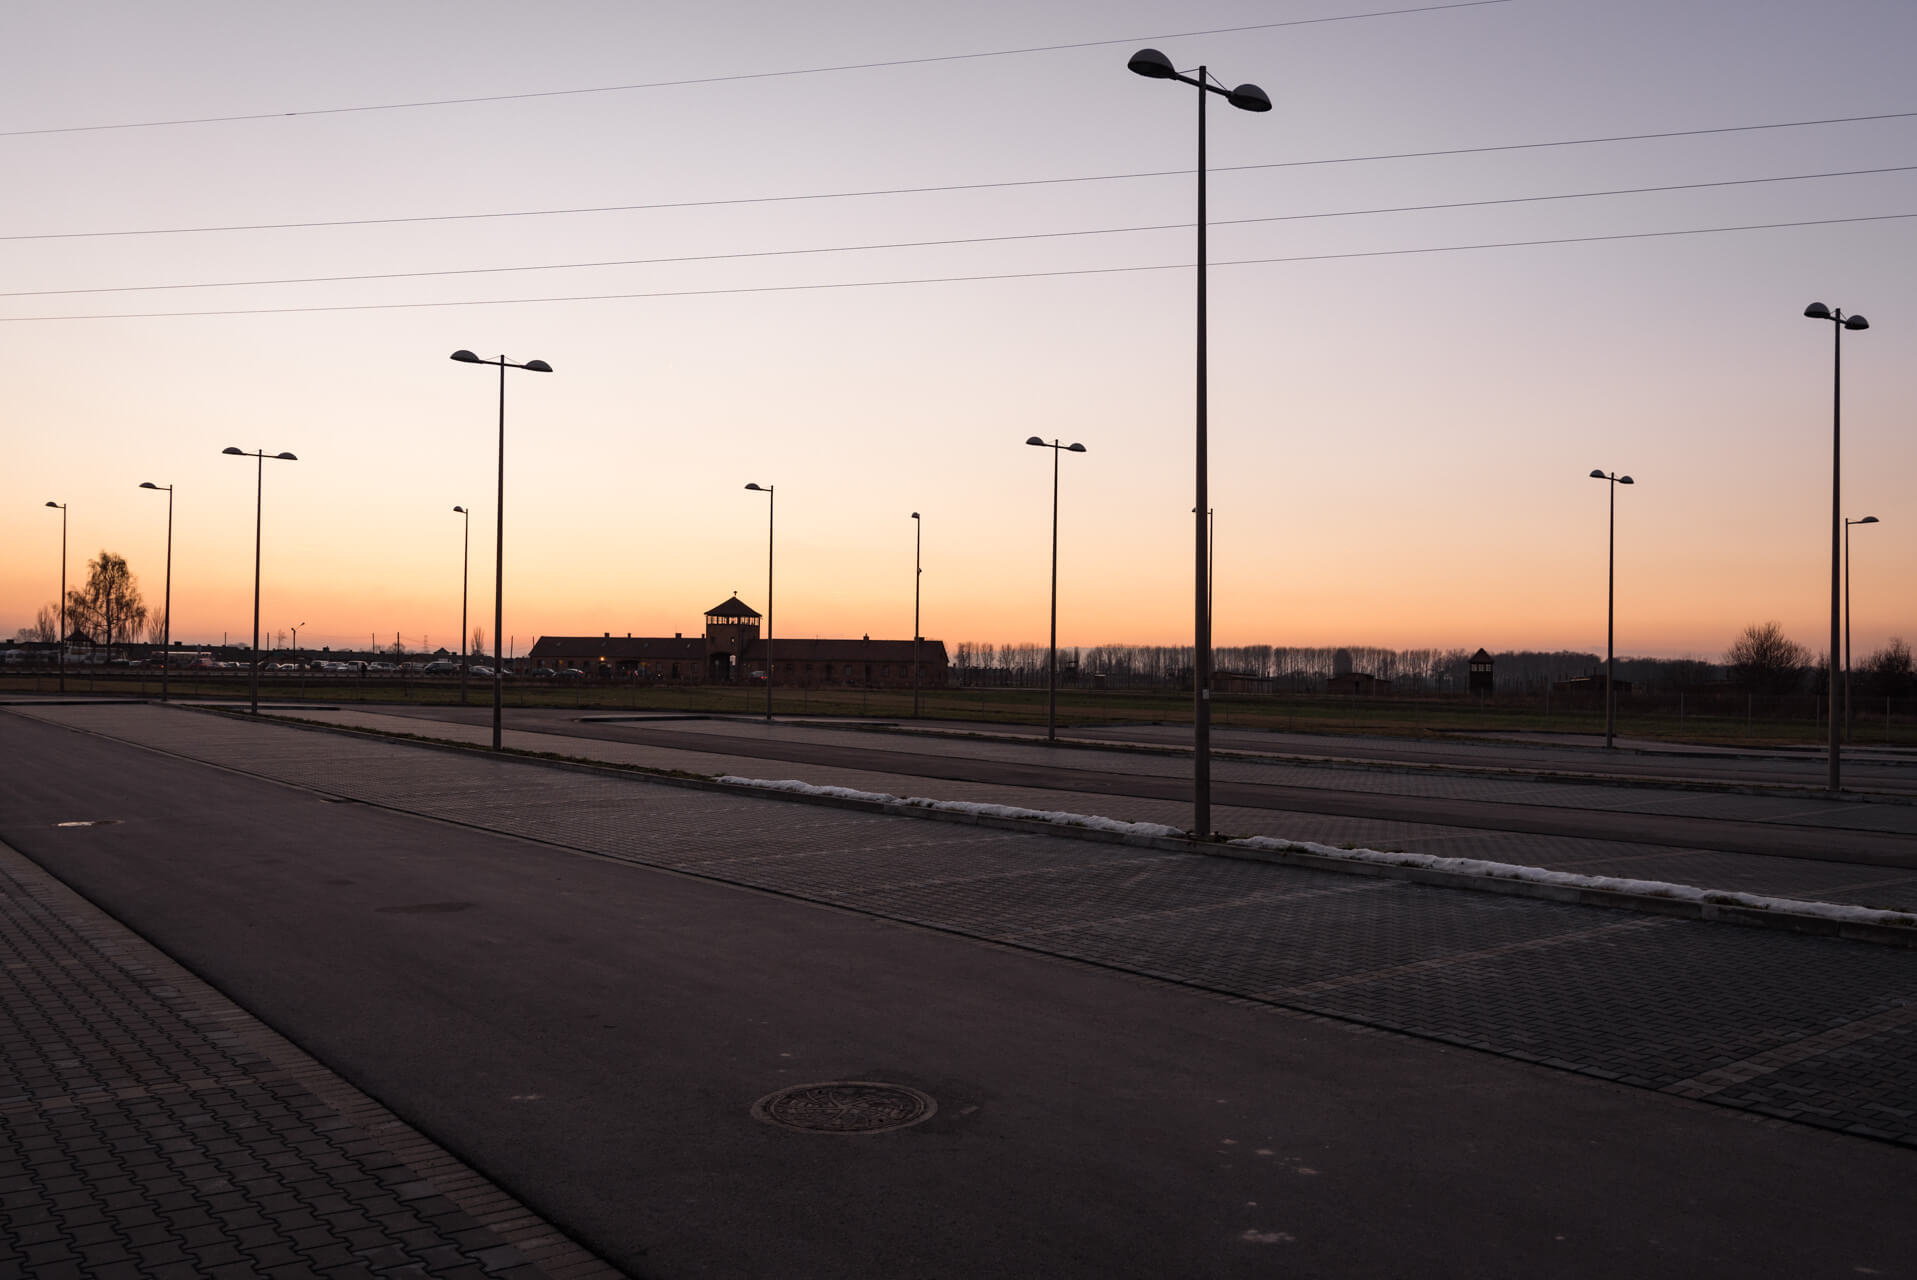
[151,1130]
[1814,1030]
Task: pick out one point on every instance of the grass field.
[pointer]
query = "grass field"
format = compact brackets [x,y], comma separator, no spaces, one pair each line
[1722,719]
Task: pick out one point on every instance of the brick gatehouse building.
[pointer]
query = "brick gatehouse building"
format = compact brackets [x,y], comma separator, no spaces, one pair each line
[732,650]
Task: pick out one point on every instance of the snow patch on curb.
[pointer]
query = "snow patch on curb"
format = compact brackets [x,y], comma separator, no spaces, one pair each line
[1835,911]
[1086,821]
[1608,884]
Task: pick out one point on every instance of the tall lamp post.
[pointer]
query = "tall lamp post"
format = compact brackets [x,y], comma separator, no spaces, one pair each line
[259,506]
[771,503]
[1051,663]
[1839,323]
[166,615]
[1246,97]
[1610,614]
[918,572]
[465,563]
[1211,558]
[62,654]
[499,532]
[296,643]
[1848,522]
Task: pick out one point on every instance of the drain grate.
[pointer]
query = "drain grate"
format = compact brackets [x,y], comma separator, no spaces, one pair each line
[845,1106]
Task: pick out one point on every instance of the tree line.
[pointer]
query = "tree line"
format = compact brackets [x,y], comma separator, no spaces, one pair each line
[1761,660]
[1764,660]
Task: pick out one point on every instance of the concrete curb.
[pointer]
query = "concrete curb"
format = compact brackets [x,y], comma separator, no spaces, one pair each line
[1647,904]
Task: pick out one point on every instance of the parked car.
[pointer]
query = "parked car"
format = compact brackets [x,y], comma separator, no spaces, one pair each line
[541,672]
[442,667]
[570,673]
[483,673]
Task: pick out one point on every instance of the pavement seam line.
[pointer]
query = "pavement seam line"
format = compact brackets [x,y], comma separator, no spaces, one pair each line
[1462,957]
[1730,1075]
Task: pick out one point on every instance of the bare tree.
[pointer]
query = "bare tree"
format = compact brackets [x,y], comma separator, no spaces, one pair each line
[1889,671]
[45,628]
[479,641]
[156,626]
[1765,660]
[109,604]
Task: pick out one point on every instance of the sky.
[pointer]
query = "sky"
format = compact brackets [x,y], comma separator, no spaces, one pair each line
[721,242]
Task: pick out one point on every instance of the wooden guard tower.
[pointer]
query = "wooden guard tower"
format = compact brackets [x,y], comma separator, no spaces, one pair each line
[1481,680]
[731,628]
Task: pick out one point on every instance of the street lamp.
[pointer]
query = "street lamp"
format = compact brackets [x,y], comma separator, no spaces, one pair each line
[771,502]
[499,533]
[296,642]
[1839,323]
[1051,665]
[1848,522]
[1154,65]
[465,562]
[63,594]
[259,505]
[918,572]
[166,617]
[1610,614]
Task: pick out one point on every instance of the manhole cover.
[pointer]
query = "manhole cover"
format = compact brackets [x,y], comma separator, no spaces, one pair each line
[90,822]
[845,1106]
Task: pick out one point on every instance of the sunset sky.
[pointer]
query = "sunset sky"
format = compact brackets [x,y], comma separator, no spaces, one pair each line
[1402,424]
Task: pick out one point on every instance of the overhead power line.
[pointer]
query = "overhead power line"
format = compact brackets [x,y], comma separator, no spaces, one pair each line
[1004,275]
[948,187]
[741,76]
[947,243]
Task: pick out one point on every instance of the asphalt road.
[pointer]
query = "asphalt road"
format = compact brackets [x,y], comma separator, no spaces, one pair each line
[592,1034]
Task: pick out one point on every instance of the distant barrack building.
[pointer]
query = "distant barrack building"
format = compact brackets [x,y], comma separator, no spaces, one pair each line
[732,650]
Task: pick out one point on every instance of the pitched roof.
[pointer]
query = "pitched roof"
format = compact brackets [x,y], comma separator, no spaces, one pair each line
[619,648]
[931,652]
[732,608]
[1480,656]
